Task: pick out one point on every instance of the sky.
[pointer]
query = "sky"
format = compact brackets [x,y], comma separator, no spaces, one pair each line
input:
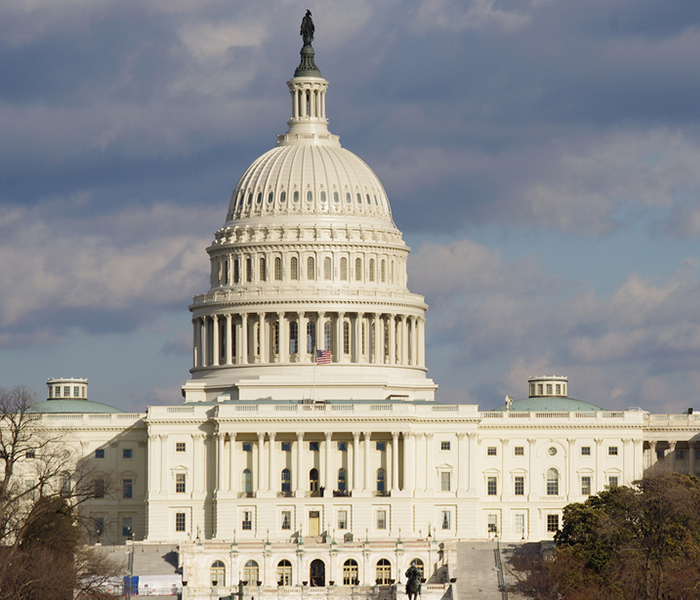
[542,158]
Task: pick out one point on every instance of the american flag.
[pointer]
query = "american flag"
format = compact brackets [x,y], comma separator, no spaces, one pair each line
[323,357]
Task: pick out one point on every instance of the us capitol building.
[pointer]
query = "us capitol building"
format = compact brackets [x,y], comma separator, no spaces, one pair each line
[310,454]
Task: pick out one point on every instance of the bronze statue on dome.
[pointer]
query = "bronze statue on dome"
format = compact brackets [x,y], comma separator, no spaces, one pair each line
[307,28]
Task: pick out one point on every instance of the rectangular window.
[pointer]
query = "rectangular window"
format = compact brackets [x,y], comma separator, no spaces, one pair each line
[76,392]
[286,519]
[29,454]
[381,519]
[660,455]
[612,481]
[520,524]
[680,454]
[381,446]
[100,453]
[342,446]
[585,485]
[612,451]
[552,523]
[492,523]
[445,481]
[697,454]
[180,483]
[520,451]
[127,488]
[444,445]
[99,526]
[445,519]
[247,447]
[127,453]
[558,388]
[549,388]
[585,450]
[180,447]
[66,391]
[342,519]
[491,451]
[540,388]
[313,446]
[99,488]
[127,529]
[520,485]
[247,521]
[492,486]
[286,446]
[180,522]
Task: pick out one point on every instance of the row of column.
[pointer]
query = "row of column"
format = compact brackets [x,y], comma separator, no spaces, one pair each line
[308,100]
[282,337]
[669,457]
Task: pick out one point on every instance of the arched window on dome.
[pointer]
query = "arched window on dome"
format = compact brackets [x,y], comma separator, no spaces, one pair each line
[310,268]
[294,268]
[328,336]
[234,327]
[278,269]
[363,330]
[248,270]
[346,337]
[552,482]
[310,337]
[222,340]
[358,269]
[263,269]
[391,272]
[371,269]
[336,198]
[236,271]
[327,268]
[217,574]
[386,341]
[372,349]
[293,337]
[226,272]
[383,273]
[276,338]
[344,269]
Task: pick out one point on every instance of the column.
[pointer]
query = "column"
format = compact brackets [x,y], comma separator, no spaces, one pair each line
[320,324]
[652,454]
[283,341]
[420,341]
[504,470]
[599,482]
[394,462]
[429,467]
[260,481]
[198,453]
[233,471]
[368,473]
[357,347]
[220,485]
[300,466]
[462,458]
[378,357]
[420,453]
[263,339]
[392,340]
[163,461]
[691,458]
[205,343]
[215,350]
[572,487]
[196,353]
[271,475]
[229,349]
[637,458]
[340,338]
[531,465]
[627,468]
[409,462]
[472,462]
[672,455]
[414,342]
[404,340]
[302,337]
[355,461]
[152,462]
[327,479]
[244,338]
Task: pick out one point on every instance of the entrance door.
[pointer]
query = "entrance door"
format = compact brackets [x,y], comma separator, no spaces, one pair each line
[317,574]
[314,522]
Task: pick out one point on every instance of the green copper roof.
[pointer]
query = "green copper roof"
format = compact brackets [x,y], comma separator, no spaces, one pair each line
[550,404]
[72,406]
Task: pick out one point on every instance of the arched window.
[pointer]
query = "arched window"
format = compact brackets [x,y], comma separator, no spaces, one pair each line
[327,268]
[383,271]
[346,337]
[248,270]
[247,481]
[328,336]
[371,269]
[276,335]
[263,269]
[358,269]
[342,480]
[552,482]
[286,481]
[381,480]
[284,572]
[311,337]
[217,574]
[351,575]
[344,269]
[383,572]
[313,480]
[418,563]
[234,327]
[391,272]
[236,271]
[294,268]
[293,337]
[310,268]
[278,269]
[317,574]
[226,273]
[251,573]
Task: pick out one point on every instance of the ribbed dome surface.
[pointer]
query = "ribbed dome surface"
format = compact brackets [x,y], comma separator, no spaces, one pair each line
[313,179]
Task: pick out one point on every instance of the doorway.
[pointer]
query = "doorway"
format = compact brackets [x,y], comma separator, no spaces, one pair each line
[314,522]
[317,574]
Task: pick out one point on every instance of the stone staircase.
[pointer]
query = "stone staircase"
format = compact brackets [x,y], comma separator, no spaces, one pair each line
[477,572]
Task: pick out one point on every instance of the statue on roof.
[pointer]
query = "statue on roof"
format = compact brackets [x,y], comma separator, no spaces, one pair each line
[307,28]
